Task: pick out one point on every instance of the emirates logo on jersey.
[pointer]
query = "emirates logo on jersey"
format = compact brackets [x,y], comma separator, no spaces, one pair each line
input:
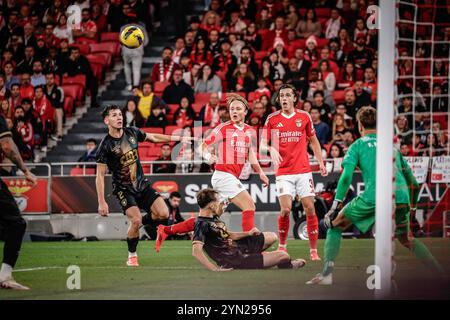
[298,123]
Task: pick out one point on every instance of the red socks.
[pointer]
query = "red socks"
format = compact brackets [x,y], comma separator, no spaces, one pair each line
[182,227]
[248,220]
[283,229]
[312,225]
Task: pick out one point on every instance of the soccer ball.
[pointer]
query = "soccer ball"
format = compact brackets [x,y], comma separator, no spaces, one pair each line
[132,37]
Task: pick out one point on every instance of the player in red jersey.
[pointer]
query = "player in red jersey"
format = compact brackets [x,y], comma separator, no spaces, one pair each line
[289,130]
[234,142]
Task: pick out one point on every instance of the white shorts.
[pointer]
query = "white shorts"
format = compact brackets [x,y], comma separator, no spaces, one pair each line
[301,184]
[227,185]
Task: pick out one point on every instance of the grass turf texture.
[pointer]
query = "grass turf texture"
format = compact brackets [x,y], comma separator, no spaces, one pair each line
[175,274]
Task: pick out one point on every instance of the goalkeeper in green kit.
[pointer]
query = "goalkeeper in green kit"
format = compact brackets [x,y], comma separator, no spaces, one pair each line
[361,210]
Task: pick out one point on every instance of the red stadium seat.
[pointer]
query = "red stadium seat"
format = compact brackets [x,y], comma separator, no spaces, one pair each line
[109,47]
[322,42]
[78,79]
[94,58]
[73,90]
[197,107]
[251,97]
[84,48]
[338,96]
[259,55]
[171,129]
[109,37]
[159,87]
[172,108]
[82,172]
[202,98]
[154,152]
[153,130]
[108,57]
[97,70]
[68,106]
[323,13]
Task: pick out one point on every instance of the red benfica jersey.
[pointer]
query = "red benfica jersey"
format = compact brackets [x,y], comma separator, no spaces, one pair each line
[289,136]
[233,145]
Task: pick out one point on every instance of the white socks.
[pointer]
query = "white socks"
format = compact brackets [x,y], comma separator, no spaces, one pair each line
[5,271]
[132,254]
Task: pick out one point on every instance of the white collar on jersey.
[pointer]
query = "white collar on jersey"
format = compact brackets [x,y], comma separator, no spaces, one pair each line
[288,116]
[237,127]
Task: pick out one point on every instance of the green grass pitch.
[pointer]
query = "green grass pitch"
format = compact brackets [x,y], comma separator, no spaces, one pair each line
[174,274]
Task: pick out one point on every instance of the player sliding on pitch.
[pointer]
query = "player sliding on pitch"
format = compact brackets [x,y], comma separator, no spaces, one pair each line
[235,144]
[118,152]
[233,250]
[361,210]
[290,129]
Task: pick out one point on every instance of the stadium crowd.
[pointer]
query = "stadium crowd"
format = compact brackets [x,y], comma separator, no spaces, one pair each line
[323,48]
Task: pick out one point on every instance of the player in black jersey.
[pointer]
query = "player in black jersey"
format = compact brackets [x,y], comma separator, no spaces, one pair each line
[118,152]
[233,250]
[12,225]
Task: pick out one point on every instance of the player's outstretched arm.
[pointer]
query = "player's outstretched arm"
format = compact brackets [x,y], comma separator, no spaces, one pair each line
[158,137]
[10,150]
[103,209]
[197,252]
[317,149]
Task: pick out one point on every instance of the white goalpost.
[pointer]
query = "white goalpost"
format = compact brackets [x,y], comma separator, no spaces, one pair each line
[385,136]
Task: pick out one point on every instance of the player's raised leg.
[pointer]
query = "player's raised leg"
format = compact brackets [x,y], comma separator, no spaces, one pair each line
[245,202]
[135,221]
[312,225]
[283,220]
[178,228]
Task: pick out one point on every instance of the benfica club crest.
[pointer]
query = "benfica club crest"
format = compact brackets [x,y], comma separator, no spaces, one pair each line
[298,122]
[18,187]
[165,187]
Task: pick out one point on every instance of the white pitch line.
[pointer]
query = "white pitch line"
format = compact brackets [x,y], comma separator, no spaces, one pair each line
[36,269]
[111,267]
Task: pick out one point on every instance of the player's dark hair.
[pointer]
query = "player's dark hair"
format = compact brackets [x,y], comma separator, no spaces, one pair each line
[287,86]
[108,109]
[205,197]
[175,194]
[367,116]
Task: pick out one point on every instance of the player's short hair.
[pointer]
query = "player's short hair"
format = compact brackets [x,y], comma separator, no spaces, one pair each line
[287,86]
[108,109]
[175,194]
[231,97]
[367,116]
[205,197]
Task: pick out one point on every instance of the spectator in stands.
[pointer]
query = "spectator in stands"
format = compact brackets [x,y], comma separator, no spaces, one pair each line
[209,114]
[54,12]
[165,156]
[361,56]
[194,27]
[236,44]
[362,95]
[360,29]
[37,78]
[308,25]
[440,102]
[173,204]
[350,103]
[348,138]
[189,40]
[15,48]
[403,130]
[184,115]
[261,89]
[311,53]
[14,99]
[307,105]
[322,129]
[132,61]
[442,138]
[432,148]
[327,75]
[200,53]
[87,31]
[147,100]
[116,15]
[333,25]
[4,92]
[246,57]
[33,117]
[191,76]
[46,112]
[26,89]
[405,150]
[252,38]
[26,64]
[41,50]
[178,89]
[6,110]
[207,81]
[278,35]
[268,72]
[213,42]
[276,87]
[337,156]
[98,17]
[279,48]
[235,24]
[370,82]
[50,63]
[179,51]
[339,127]
[211,21]
[243,80]
[276,63]
[291,17]
[132,115]
[50,39]
[78,64]
[163,71]
[23,135]
[264,22]
[347,76]
[157,118]
[10,78]
[303,65]
[225,63]
[55,95]
[28,35]
[324,109]
[91,150]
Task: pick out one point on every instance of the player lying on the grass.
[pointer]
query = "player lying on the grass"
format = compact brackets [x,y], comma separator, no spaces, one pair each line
[118,152]
[235,145]
[290,130]
[233,250]
[361,210]
[12,225]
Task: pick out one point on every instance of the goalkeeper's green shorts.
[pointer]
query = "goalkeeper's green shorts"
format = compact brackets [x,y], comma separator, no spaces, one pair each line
[362,214]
